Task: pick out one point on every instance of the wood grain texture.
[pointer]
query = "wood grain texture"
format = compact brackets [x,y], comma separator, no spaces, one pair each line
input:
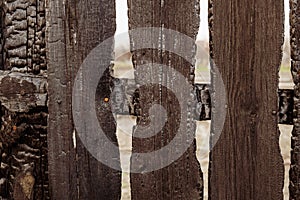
[125,95]
[295,56]
[246,38]
[183,178]
[75,28]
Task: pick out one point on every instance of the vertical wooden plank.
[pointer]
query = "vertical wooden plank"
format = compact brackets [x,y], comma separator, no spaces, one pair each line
[246,40]
[23,99]
[295,56]
[75,28]
[183,178]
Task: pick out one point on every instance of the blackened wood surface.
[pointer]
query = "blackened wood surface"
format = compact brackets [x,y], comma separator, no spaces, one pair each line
[24,166]
[75,28]
[183,178]
[23,40]
[23,134]
[295,56]
[246,40]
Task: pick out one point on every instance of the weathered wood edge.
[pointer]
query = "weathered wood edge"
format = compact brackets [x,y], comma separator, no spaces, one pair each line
[74,29]
[245,43]
[294,186]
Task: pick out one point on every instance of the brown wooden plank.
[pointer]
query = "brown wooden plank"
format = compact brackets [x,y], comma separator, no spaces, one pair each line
[75,28]
[182,179]
[246,39]
[295,56]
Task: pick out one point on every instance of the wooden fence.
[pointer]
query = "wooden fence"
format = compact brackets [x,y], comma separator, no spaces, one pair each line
[43,44]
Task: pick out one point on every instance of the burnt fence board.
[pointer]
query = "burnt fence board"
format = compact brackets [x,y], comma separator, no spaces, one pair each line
[75,28]
[295,57]
[246,162]
[245,40]
[23,91]
[183,178]
[23,136]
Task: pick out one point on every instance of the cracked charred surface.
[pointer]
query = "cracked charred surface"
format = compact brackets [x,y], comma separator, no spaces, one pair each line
[246,42]
[295,56]
[23,36]
[21,92]
[23,97]
[183,178]
[23,154]
[75,28]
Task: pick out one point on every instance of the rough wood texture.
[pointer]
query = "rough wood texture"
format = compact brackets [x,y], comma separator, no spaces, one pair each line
[23,98]
[2,29]
[23,136]
[295,56]
[183,178]
[21,92]
[75,28]
[125,95]
[23,150]
[23,40]
[246,39]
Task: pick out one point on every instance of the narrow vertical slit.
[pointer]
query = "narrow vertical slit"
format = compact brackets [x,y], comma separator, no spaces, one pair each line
[202,75]
[123,69]
[286,82]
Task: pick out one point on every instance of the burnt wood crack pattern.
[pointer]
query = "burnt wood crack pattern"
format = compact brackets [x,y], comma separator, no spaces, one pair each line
[23,97]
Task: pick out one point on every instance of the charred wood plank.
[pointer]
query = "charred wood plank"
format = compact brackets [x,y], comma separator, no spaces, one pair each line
[76,28]
[23,98]
[23,154]
[182,179]
[294,186]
